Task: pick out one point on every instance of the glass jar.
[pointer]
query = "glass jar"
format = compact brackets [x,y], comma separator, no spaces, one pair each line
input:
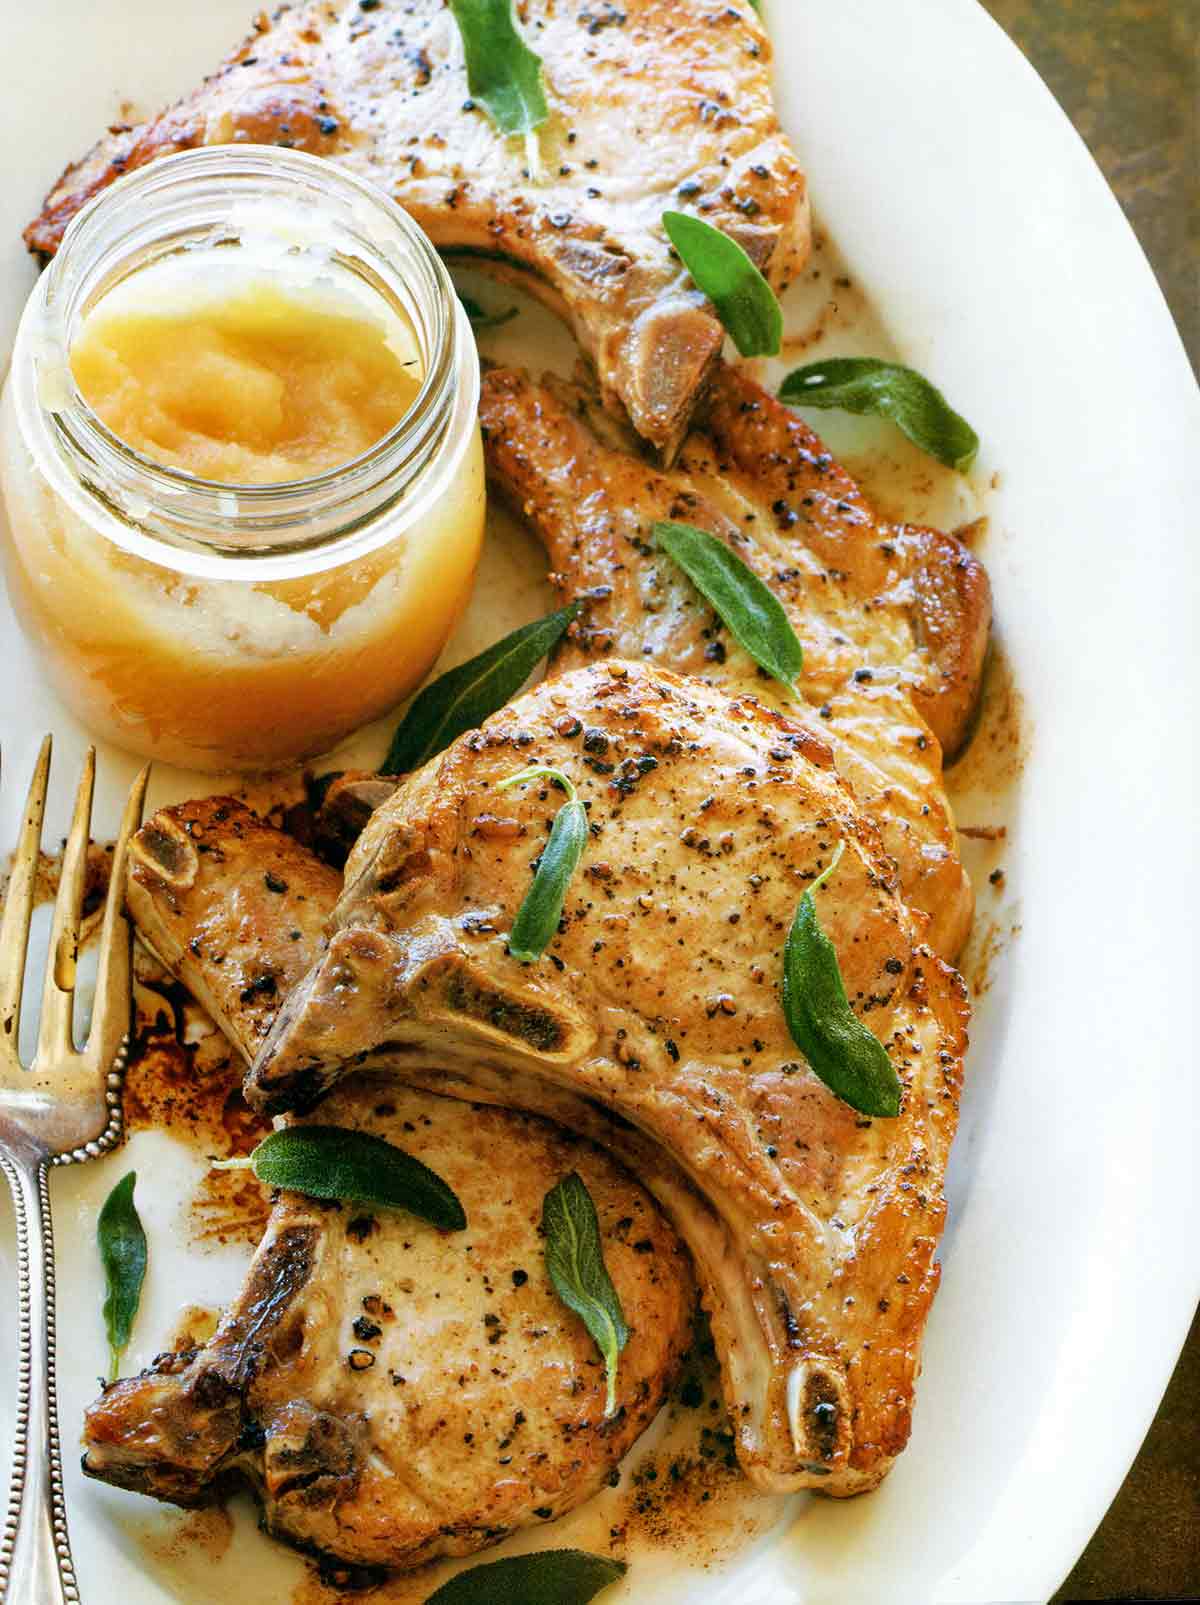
[239,626]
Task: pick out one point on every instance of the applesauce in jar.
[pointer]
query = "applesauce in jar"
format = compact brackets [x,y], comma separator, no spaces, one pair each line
[240,459]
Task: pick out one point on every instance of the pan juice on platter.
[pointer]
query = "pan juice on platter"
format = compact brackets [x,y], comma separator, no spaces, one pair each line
[240,460]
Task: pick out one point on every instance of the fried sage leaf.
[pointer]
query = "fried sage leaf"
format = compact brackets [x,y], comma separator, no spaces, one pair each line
[548,1577]
[122,1244]
[503,74]
[888,390]
[575,1262]
[481,319]
[745,302]
[851,1061]
[337,1162]
[751,611]
[541,908]
[463,698]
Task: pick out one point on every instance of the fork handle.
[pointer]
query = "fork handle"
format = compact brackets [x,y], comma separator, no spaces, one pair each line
[35,1551]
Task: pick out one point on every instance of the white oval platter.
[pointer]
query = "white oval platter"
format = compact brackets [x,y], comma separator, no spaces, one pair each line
[995,259]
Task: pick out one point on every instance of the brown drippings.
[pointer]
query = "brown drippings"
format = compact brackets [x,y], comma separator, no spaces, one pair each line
[230,1207]
[845,306]
[408,1588]
[183,1076]
[194,1325]
[209,1531]
[698,1501]
[689,1495]
[995,755]
[989,941]
[273,796]
[95,884]
[982,951]
[983,785]
[898,478]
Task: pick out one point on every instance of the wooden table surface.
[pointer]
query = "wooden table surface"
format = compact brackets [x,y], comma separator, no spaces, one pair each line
[1127,73]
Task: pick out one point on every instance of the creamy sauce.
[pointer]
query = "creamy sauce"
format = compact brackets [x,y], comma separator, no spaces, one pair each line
[247,377]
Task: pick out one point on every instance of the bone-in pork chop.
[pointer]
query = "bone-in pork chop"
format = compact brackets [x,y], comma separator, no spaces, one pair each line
[893,619]
[392,1392]
[654,104]
[814,1230]
[234,908]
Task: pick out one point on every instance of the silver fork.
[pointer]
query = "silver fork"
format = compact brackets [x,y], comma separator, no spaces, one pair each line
[64,1109]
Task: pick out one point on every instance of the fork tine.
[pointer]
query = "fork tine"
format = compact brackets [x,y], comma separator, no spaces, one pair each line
[110,1016]
[55,1038]
[18,905]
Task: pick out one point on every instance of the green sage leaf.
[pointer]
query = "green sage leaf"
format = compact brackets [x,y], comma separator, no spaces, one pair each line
[848,1058]
[548,1577]
[503,74]
[575,1262]
[752,612]
[480,319]
[122,1244]
[337,1162]
[887,390]
[746,304]
[462,698]
[541,908]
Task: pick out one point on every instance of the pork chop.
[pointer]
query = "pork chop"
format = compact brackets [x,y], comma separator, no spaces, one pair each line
[814,1230]
[232,907]
[894,620]
[654,104]
[391,1392]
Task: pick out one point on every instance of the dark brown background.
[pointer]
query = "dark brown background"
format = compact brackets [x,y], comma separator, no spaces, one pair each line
[1126,73]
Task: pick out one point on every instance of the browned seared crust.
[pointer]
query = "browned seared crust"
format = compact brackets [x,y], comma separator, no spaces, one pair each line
[814,1232]
[656,103]
[894,621]
[451,1424]
[393,1393]
[930,578]
[233,907]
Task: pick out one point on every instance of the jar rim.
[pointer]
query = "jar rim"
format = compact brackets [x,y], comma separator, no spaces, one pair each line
[206,197]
